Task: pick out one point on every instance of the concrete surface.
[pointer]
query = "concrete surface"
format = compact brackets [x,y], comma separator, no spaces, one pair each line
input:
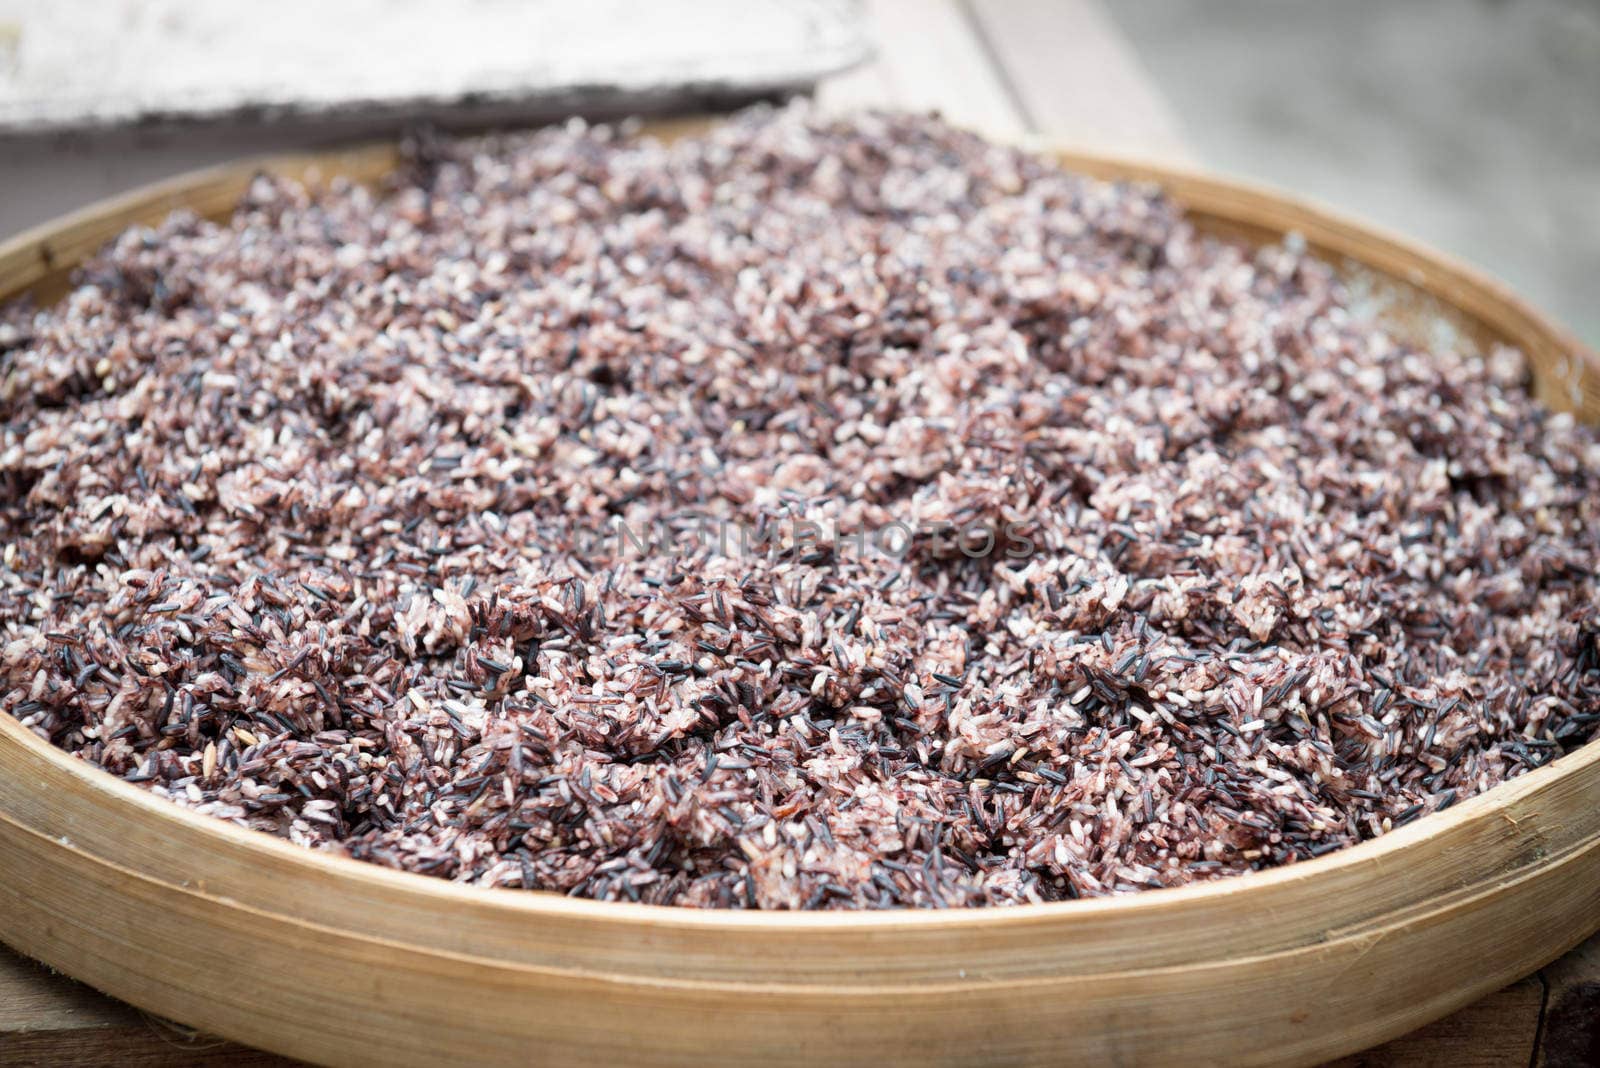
[76,64]
[1473,125]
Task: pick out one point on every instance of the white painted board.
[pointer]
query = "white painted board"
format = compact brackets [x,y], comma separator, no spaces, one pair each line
[72,64]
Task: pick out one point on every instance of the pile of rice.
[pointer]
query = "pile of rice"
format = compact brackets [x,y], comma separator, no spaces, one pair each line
[810,514]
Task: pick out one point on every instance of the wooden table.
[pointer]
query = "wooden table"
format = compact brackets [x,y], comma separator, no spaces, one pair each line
[1057,69]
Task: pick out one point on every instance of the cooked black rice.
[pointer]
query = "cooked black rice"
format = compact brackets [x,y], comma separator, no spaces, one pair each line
[814,513]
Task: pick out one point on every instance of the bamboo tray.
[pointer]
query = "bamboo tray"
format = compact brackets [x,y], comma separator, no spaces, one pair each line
[336,961]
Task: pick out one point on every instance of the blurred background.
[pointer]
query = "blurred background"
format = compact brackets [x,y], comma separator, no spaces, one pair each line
[1471,124]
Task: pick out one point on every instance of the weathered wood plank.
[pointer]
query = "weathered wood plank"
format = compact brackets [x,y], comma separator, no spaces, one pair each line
[33,998]
[47,1020]
[928,59]
[1570,1037]
[93,63]
[1497,1032]
[1076,79]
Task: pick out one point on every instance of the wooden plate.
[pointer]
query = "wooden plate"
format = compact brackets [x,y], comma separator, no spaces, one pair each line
[331,960]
